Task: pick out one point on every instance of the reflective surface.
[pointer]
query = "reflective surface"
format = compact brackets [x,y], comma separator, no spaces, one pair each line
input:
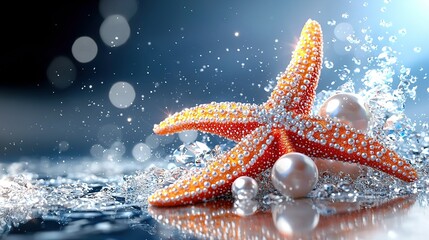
[97,203]
[303,218]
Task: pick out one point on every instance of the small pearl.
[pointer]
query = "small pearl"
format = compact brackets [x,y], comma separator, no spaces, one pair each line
[299,216]
[347,108]
[244,188]
[294,175]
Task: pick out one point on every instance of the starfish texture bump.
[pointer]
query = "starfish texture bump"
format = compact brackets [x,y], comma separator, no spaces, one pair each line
[265,132]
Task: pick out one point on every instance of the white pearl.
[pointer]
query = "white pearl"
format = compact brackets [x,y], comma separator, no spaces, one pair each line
[295,217]
[244,188]
[350,109]
[294,175]
[347,108]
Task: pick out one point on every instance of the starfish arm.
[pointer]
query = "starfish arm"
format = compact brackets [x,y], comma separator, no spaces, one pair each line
[326,138]
[227,119]
[296,87]
[253,154]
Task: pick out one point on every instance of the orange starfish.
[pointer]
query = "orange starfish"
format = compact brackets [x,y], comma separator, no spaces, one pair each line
[267,131]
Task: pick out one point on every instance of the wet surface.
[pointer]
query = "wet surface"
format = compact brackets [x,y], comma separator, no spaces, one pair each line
[96,207]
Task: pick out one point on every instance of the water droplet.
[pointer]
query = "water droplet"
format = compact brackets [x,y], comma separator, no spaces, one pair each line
[356,61]
[417,49]
[393,39]
[402,31]
[368,38]
[344,73]
[329,64]
[385,24]
[332,22]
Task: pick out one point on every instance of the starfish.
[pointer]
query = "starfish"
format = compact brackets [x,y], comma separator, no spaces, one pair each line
[265,132]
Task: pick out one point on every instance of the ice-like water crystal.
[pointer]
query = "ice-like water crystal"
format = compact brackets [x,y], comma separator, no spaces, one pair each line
[193,154]
[88,187]
[137,187]
[386,86]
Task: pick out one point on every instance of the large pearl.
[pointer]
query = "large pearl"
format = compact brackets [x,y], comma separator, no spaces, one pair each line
[350,109]
[244,188]
[347,108]
[294,175]
[297,217]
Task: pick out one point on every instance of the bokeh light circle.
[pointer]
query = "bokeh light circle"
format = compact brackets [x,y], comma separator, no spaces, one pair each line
[122,94]
[141,152]
[343,30]
[126,8]
[188,136]
[109,134]
[84,49]
[115,30]
[61,72]
[96,151]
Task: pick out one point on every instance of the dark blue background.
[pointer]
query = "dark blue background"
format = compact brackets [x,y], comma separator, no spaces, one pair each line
[185,36]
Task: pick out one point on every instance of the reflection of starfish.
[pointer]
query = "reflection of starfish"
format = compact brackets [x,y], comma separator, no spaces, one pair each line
[266,132]
[348,220]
